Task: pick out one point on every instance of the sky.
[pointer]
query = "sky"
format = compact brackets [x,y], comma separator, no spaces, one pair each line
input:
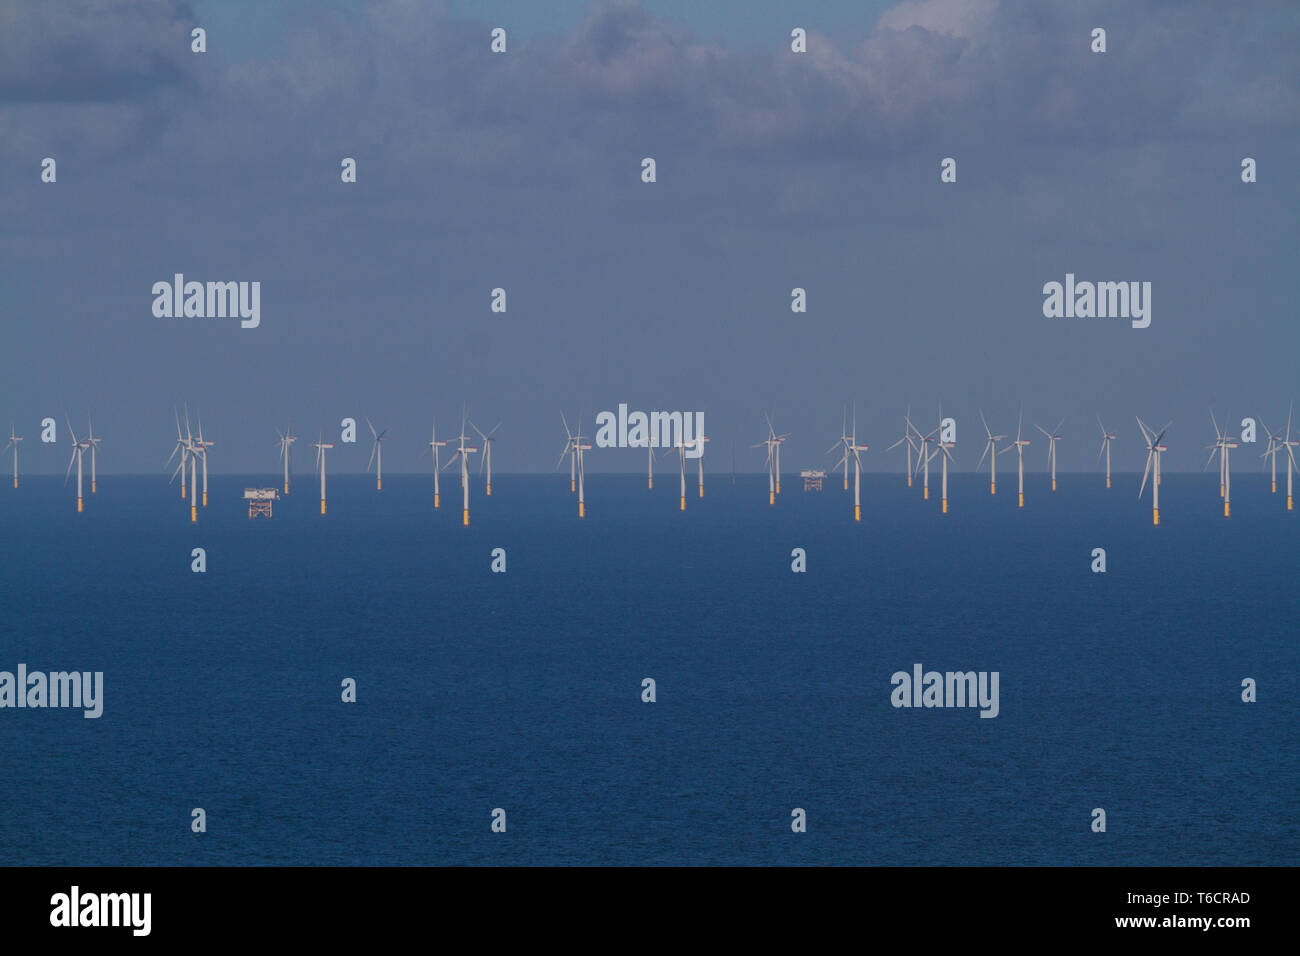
[775,170]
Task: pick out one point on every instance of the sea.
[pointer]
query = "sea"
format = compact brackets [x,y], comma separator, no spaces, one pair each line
[480,691]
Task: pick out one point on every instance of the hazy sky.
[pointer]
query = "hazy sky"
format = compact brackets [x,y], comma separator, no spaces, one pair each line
[522,171]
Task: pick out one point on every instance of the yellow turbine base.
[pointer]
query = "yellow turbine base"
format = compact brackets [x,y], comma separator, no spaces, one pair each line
[1288,502]
[286,487]
[857,512]
[322,506]
[582,509]
[650,483]
[79,507]
[436,501]
[205,499]
[1227,508]
[1155,515]
[464,520]
[194,514]
[489,489]
[379,484]
[926,496]
[1159,480]
[909,481]
[1053,484]
[183,494]
[1220,489]
[945,505]
[683,502]
[993,487]
[701,491]
[1275,487]
[94,489]
[573,486]
[1108,481]
[778,487]
[771,497]
[1022,500]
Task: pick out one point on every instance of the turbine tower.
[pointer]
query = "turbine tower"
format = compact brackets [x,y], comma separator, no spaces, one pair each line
[434,445]
[843,444]
[908,428]
[773,444]
[944,448]
[463,451]
[1154,451]
[14,439]
[1106,439]
[93,443]
[486,460]
[1222,444]
[990,450]
[923,456]
[1019,445]
[286,439]
[700,440]
[78,447]
[1052,438]
[1289,444]
[321,445]
[650,455]
[574,447]
[377,455]
[183,446]
[854,447]
[202,447]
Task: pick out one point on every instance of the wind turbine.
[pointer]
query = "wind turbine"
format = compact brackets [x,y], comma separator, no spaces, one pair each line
[1289,443]
[14,439]
[286,439]
[924,456]
[78,447]
[991,445]
[93,444]
[944,448]
[1019,445]
[1052,438]
[854,447]
[463,451]
[1222,444]
[202,447]
[1154,451]
[486,460]
[908,428]
[434,445]
[194,483]
[680,448]
[700,440]
[773,444]
[650,454]
[377,455]
[1270,451]
[574,447]
[1106,439]
[183,446]
[321,445]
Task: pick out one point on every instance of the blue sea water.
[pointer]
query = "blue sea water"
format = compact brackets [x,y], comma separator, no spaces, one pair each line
[523,690]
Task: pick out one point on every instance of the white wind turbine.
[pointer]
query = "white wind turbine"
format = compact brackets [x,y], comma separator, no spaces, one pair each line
[700,440]
[463,451]
[1019,445]
[286,439]
[574,448]
[650,455]
[201,446]
[1106,439]
[853,447]
[1270,451]
[923,456]
[377,454]
[93,443]
[1222,444]
[78,447]
[1154,451]
[944,448]
[908,428]
[183,446]
[486,460]
[773,444]
[434,445]
[321,446]
[991,450]
[1289,444]
[14,439]
[1052,438]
